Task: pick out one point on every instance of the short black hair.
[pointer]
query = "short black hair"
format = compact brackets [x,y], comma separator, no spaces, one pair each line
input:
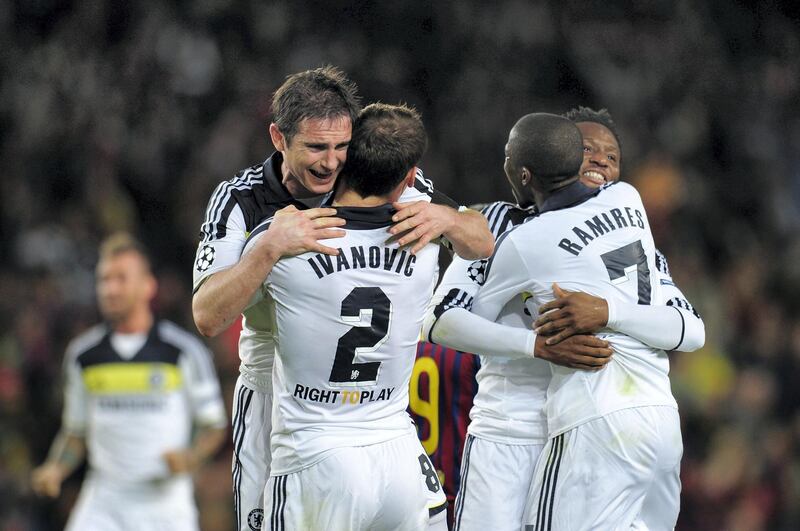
[550,146]
[387,141]
[324,92]
[602,117]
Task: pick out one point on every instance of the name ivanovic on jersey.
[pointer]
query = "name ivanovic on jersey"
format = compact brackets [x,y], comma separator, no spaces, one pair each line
[372,257]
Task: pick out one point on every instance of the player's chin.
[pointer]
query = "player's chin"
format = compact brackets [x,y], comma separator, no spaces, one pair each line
[320,183]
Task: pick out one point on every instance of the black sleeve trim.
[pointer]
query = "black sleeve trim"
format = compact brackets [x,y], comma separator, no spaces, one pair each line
[683,329]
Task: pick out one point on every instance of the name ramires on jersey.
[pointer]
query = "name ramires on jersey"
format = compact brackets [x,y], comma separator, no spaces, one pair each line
[602,224]
[373,257]
[336,396]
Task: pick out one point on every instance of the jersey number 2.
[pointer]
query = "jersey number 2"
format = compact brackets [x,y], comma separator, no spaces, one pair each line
[625,260]
[358,304]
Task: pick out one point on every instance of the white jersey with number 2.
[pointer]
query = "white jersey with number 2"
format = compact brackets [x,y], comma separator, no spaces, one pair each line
[347,331]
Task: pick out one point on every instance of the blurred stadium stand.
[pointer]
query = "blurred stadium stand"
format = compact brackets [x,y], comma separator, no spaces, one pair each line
[125,115]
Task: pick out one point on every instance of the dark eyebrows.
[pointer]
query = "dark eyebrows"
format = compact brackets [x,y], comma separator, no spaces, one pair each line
[323,145]
[610,148]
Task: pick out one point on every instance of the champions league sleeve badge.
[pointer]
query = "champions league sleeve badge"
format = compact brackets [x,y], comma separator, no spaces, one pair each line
[477,272]
[205,258]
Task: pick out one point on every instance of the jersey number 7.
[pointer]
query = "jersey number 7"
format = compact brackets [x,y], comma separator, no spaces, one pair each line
[623,261]
[360,303]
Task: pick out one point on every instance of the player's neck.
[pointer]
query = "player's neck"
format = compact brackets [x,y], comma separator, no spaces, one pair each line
[349,198]
[137,322]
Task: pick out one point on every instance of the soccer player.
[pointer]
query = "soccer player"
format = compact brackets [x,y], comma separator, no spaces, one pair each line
[313,112]
[135,387]
[345,454]
[503,421]
[613,453]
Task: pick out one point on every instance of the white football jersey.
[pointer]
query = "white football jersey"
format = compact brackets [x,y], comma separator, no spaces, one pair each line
[346,335]
[509,405]
[236,207]
[133,409]
[599,242]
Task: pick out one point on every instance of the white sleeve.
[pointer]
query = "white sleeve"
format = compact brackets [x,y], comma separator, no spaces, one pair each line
[74,418]
[448,320]
[222,238]
[463,330]
[202,385]
[507,276]
[674,325]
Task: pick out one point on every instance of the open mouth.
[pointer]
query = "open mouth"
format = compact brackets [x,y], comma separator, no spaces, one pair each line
[322,176]
[594,177]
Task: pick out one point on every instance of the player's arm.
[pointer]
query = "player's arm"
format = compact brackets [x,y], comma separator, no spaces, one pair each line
[206,443]
[222,296]
[66,454]
[207,406]
[466,230]
[69,447]
[671,326]
[449,321]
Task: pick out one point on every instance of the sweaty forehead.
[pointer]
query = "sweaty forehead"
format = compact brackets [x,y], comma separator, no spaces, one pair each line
[598,133]
[325,128]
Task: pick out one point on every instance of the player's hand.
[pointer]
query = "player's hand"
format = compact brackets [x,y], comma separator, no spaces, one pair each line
[294,232]
[588,353]
[180,461]
[570,313]
[46,480]
[419,222]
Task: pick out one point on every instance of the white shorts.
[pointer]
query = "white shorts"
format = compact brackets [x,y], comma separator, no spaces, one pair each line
[252,424]
[389,486]
[495,480]
[621,471]
[105,505]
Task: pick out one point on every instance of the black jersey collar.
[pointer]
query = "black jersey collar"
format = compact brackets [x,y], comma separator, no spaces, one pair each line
[571,195]
[364,218]
[277,193]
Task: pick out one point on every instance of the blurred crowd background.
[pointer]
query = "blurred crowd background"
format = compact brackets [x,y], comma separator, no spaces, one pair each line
[125,115]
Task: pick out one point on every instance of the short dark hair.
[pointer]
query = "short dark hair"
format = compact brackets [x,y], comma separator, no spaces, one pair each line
[387,141]
[602,117]
[324,92]
[550,146]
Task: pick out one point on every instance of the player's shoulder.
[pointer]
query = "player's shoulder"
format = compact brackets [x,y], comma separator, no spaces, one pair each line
[503,215]
[620,188]
[422,190]
[178,337]
[257,232]
[86,341]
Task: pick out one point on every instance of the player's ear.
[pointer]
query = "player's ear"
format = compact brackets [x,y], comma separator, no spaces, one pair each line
[525,176]
[278,140]
[411,177]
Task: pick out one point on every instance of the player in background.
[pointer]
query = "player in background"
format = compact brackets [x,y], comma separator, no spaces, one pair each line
[345,454]
[313,112]
[135,388]
[613,453]
[499,428]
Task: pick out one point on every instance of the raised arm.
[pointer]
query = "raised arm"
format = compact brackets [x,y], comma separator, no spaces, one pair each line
[220,297]
[437,215]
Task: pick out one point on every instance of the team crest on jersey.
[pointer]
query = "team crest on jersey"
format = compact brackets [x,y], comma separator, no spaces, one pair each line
[477,272]
[157,379]
[255,519]
[205,258]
